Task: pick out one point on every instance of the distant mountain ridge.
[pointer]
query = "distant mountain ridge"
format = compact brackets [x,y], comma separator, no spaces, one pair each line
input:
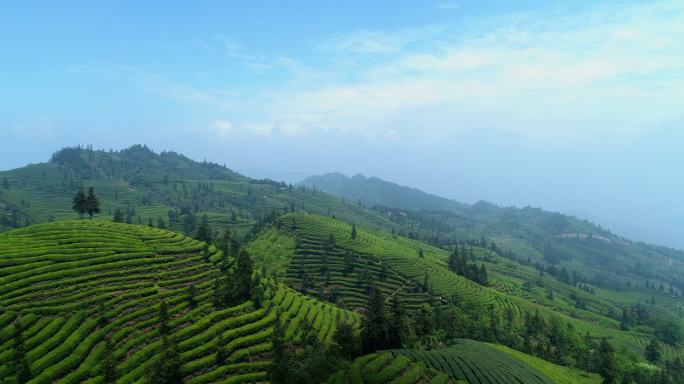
[373,191]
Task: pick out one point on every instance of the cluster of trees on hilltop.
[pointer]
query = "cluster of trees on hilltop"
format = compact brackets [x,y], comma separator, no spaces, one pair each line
[86,204]
[462,262]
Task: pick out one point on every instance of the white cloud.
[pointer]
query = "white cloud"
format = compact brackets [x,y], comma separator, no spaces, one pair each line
[603,73]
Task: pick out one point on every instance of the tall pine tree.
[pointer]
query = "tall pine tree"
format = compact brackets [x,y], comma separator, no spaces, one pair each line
[80,203]
[92,204]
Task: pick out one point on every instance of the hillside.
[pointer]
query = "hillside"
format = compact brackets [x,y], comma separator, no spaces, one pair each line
[80,294]
[549,287]
[466,361]
[593,254]
[372,191]
[165,189]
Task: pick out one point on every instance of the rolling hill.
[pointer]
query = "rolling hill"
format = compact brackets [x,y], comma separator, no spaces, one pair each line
[165,188]
[593,254]
[84,292]
[77,294]
[372,191]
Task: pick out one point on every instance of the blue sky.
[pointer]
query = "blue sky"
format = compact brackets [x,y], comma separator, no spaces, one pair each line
[571,106]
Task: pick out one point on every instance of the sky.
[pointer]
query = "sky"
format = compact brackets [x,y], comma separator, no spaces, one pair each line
[575,106]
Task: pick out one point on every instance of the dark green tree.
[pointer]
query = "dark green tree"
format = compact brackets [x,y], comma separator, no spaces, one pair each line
[345,342]
[191,294]
[163,318]
[375,324]
[425,320]
[166,370]
[20,365]
[119,216]
[669,331]
[653,351]
[80,203]
[483,278]
[92,205]
[353,231]
[204,231]
[398,323]
[243,275]
[606,365]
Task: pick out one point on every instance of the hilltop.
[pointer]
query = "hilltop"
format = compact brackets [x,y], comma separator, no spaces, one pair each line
[373,191]
[87,294]
[529,235]
[535,284]
[162,188]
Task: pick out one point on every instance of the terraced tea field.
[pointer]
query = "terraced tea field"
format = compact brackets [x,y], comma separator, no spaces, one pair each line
[345,277]
[384,367]
[73,285]
[400,255]
[477,363]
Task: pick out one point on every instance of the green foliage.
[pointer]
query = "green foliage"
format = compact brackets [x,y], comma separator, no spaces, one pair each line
[166,369]
[92,203]
[669,331]
[653,351]
[204,231]
[376,331]
[477,363]
[111,302]
[80,203]
[381,368]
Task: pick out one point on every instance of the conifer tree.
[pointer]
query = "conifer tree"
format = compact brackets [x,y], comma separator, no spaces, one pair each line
[166,370]
[483,279]
[191,294]
[163,318]
[243,275]
[374,325]
[204,232]
[353,231]
[92,204]
[345,342]
[398,326]
[119,216]
[606,364]
[653,352]
[20,365]
[80,203]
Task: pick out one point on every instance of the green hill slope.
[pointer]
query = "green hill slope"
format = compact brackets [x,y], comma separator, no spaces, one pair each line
[483,363]
[593,257]
[69,287]
[384,367]
[373,191]
[343,272]
[153,187]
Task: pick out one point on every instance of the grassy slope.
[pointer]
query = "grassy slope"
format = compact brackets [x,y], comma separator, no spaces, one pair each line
[559,374]
[383,367]
[400,255]
[529,232]
[58,279]
[478,363]
[152,184]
